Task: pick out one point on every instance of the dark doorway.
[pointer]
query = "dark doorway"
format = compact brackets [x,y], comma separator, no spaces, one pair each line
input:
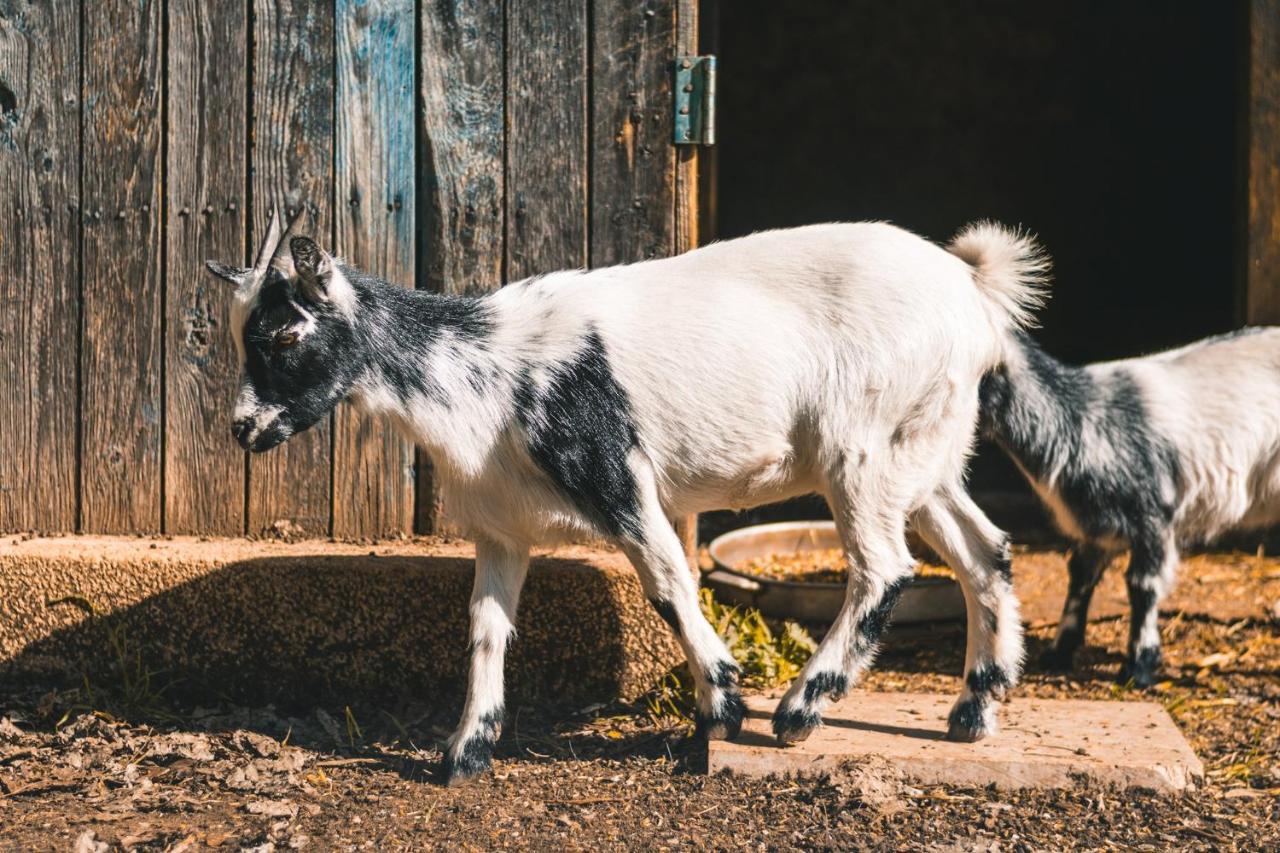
[1109,129]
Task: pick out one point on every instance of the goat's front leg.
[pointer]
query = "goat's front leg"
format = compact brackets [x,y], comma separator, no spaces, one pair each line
[1085,569]
[655,550]
[500,573]
[1152,564]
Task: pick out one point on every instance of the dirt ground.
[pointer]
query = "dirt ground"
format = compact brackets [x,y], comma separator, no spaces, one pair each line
[96,770]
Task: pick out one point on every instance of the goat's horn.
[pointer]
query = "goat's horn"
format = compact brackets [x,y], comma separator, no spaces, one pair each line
[279,256]
[266,249]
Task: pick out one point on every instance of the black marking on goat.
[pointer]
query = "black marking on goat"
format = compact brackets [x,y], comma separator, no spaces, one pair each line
[833,684]
[1041,415]
[724,675]
[305,381]
[1004,562]
[580,432]
[987,679]
[794,724]
[400,328]
[387,341]
[992,619]
[667,611]
[1141,600]
[1142,668]
[476,754]
[965,722]
[873,622]
[725,722]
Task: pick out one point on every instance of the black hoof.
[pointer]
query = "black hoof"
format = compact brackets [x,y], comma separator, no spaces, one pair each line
[967,722]
[474,759]
[795,725]
[1137,675]
[1143,669]
[1057,660]
[725,723]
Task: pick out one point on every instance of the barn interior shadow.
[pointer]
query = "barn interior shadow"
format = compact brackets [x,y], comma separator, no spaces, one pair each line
[274,639]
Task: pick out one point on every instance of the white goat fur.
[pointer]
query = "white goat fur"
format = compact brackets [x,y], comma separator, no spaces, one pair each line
[840,359]
[1191,452]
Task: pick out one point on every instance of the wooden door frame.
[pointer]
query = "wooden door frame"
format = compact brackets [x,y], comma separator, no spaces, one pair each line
[1260,122]
[689,204]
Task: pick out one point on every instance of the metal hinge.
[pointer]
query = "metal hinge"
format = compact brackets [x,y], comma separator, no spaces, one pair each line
[695,100]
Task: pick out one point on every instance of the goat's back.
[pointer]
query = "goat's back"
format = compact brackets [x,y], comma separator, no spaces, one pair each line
[1217,401]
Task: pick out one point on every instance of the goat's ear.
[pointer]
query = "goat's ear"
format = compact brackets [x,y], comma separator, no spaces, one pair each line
[317,271]
[236,275]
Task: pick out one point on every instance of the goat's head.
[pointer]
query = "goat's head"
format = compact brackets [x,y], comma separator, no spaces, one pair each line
[293,319]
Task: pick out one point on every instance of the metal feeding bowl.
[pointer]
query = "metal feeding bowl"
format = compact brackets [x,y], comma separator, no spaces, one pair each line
[926,599]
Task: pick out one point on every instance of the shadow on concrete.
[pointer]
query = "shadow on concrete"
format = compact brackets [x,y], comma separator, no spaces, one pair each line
[334,630]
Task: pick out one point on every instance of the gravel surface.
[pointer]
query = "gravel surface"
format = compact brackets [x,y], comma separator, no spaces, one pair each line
[110,767]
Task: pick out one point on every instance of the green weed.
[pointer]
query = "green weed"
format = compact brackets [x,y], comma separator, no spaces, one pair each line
[135,688]
[768,658]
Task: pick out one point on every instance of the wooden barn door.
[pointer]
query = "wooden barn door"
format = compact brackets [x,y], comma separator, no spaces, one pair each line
[548,141]
[452,145]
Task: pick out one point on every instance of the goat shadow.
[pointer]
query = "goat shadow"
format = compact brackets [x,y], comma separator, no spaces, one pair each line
[275,636]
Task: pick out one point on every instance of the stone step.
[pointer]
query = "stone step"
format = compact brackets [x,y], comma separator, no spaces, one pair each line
[1043,743]
[315,621]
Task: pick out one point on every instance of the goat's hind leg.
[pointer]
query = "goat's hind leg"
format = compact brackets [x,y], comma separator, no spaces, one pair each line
[500,574]
[1085,569]
[880,567]
[978,553]
[1152,564]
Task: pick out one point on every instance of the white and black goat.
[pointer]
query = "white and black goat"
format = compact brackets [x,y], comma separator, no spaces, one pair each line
[1142,454]
[840,359]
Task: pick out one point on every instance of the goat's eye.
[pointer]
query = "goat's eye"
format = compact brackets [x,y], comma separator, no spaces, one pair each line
[286,339]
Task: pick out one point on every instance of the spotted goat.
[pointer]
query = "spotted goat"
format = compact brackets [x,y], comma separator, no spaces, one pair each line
[1145,454]
[840,359]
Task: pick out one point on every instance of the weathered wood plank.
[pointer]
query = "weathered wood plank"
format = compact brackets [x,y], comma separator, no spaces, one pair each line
[373,468]
[546,222]
[687,209]
[462,138]
[460,164]
[292,166]
[632,157]
[122,415]
[1262,254]
[39,263]
[205,176]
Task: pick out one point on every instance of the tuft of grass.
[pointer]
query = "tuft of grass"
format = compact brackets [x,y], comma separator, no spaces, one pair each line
[768,658]
[353,728]
[135,688]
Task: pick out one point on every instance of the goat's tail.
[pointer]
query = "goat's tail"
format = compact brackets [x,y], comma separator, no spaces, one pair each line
[1009,267]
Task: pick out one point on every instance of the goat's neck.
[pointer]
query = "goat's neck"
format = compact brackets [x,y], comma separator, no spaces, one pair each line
[1035,408]
[433,370]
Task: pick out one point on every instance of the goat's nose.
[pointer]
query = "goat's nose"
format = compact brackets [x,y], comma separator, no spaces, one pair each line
[240,430]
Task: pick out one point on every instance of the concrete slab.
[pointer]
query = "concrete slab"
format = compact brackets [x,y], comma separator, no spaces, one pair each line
[1044,743]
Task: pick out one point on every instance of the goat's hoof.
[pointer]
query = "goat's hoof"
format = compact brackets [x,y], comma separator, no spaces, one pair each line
[474,759]
[970,721]
[794,725]
[725,723]
[1141,673]
[1057,660]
